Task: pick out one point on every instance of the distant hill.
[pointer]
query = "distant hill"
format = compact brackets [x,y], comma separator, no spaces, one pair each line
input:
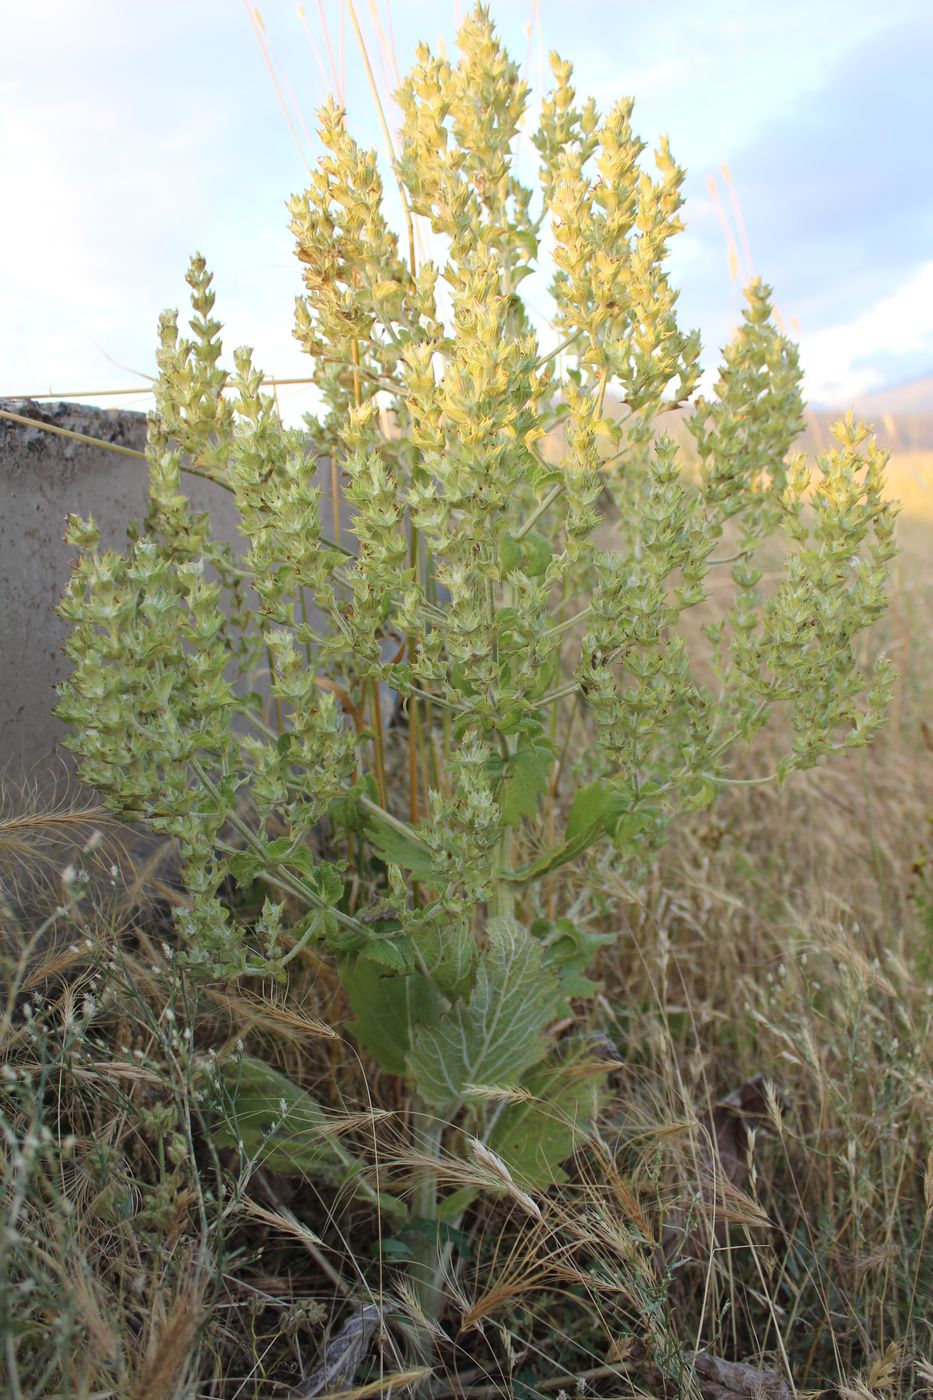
[901,414]
[914,396]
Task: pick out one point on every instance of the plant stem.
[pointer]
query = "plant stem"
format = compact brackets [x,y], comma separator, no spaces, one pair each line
[551,354]
[568,622]
[502,904]
[378,741]
[538,511]
[428,1135]
[284,878]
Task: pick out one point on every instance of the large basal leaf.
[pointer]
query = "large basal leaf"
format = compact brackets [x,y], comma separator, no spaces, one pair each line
[449,957]
[254,1097]
[536,1136]
[386,1009]
[279,1125]
[496,1034]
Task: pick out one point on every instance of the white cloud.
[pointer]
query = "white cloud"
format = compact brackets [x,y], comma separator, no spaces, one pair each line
[836,360]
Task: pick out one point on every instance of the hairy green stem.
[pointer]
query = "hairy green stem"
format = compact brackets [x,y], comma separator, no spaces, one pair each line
[538,511]
[428,1132]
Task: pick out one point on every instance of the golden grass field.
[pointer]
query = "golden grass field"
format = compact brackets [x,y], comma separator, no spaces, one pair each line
[910,476]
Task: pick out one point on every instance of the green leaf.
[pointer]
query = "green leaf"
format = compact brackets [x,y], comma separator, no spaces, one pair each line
[300,858]
[538,553]
[395,1249]
[531,554]
[396,954]
[245,867]
[535,1137]
[345,811]
[596,811]
[329,881]
[496,1033]
[449,957]
[397,849]
[570,950]
[282,847]
[524,782]
[510,555]
[250,1103]
[388,1009]
[282,1127]
[324,877]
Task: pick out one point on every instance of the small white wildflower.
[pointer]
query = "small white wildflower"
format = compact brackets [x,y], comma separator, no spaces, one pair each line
[69,875]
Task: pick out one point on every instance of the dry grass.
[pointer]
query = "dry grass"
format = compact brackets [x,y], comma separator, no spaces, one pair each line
[910,477]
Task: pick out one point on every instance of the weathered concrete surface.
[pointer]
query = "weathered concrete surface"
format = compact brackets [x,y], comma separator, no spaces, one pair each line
[44,478]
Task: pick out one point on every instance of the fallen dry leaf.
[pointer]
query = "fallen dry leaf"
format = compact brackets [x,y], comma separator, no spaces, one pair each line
[728,1380]
[343,1353]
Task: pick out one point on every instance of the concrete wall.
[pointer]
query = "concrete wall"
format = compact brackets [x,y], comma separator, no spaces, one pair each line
[43,478]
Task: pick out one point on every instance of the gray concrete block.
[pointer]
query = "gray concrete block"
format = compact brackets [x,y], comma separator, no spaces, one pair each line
[43,478]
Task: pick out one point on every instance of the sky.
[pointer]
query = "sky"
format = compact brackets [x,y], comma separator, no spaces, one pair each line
[133,134]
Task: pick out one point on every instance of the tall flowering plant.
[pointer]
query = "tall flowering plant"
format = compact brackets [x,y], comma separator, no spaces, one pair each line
[513,596]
